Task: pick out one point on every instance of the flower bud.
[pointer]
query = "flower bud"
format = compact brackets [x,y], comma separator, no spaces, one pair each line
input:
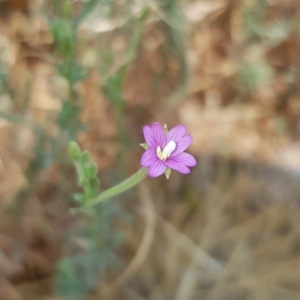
[74,150]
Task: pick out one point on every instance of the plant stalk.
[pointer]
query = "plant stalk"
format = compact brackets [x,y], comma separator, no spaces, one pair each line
[123,186]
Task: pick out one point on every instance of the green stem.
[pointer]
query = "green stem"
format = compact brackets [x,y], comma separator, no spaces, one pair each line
[123,186]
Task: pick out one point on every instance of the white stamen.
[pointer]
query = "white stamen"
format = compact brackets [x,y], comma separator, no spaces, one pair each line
[170,148]
[166,152]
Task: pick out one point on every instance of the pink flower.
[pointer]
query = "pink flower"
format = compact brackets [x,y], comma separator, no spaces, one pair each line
[165,150]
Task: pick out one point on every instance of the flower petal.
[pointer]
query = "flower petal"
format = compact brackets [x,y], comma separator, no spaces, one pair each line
[159,135]
[148,158]
[148,135]
[177,165]
[182,144]
[176,133]
[186,159]
[157,168]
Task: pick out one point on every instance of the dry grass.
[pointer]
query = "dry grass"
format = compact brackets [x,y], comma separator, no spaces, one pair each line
[235,239]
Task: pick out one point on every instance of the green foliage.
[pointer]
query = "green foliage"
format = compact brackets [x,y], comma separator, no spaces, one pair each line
[78,274]
[3,78]
[260,34]
[88,7]
[64,36]
[254,19]
[68,120]
[86,171]
[255,76]
[278,31]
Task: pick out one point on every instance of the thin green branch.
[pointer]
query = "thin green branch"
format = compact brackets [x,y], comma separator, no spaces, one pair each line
[125,185]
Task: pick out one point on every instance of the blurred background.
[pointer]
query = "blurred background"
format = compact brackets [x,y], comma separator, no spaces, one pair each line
[96,71]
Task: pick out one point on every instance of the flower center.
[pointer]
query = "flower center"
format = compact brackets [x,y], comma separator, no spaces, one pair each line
[166,152]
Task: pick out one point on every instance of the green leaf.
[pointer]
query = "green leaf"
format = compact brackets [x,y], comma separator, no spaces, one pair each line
[68,9]
[168,173]
[91,171]
[73,72]
[63,36]
[88,7]
[85,157]
[78,197]
[145,146]
[166,128]
[74,150]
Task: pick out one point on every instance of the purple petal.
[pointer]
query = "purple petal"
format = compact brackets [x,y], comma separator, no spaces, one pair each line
[186,159]
[148,158]
[148,135]
[177,165]
[159,135]
[182,144]
[157,168]
[176,133]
